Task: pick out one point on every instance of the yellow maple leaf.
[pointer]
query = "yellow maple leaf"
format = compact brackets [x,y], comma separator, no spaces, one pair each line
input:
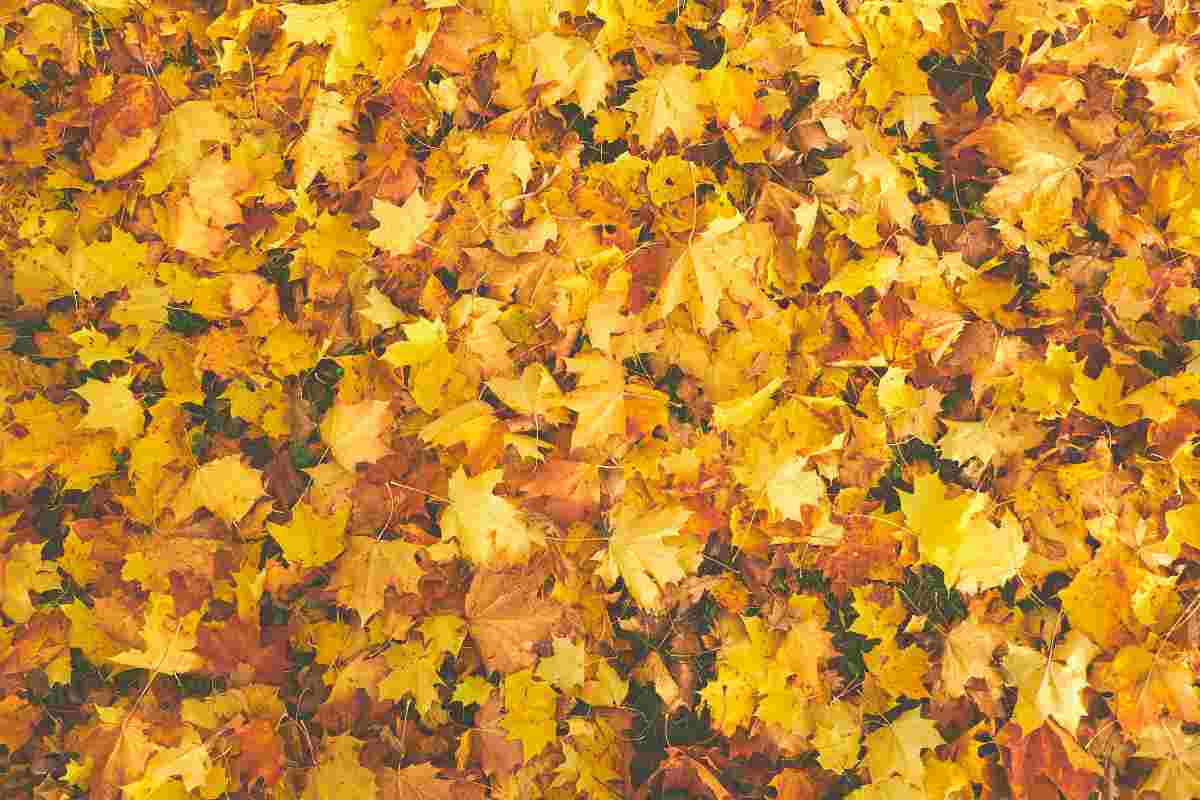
[414,671]
[167,640]
[327,147]
[876,620]
[345,25]
[93,270]
[742,411]
[1044,182]
[645,549]
[1149,688]
[489,529]
[1102,397]
[569,65]
[311,539]
[899,671]
[189,761]
[1050,685]
[400,227]
[379,309]
[355,432]
[599,401]
[95,346]
[22,571]
[894,748]
[565,668]
[968,654]
[188,131]
[723,261]
[837,737]
[668,98]
[529,712]
[1177,774]
[955,535]
[113,406]
[226,486]
[339,772]
[535,393]
[793,486]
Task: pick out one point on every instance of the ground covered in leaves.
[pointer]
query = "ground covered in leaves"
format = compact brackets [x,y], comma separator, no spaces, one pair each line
[599,399]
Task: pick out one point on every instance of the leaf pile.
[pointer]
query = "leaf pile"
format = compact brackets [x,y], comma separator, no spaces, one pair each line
[599,399]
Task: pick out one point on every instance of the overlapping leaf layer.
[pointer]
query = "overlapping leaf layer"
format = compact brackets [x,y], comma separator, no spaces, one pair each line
[600,399]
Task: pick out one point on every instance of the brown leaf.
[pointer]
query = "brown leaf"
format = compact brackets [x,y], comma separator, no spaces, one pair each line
[261,752]
[1047,758]
[422,782]
[507,617]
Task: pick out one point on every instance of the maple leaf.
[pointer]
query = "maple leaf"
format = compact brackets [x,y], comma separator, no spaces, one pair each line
[444,633]
[380,310]
[599,401]
[19,718]
[426,338]
[571,489]
[895,747]
[489,529]
[1148,689]
[723,260]
[261,753]
[423,782]
[506,617]
[591,759]
[344,24]
[95,346]
[1177,774]
[339,772]
[400,227]
[369,567]
[793,487]
[326,147]
[189,761]
[1050,686]
[414,671]
[93,270]
[899,671]
[22,572]
[668,99]
[954,535]
[1177,101]
[969,649]
[645,550]
[311,539]
[566,66]
[472,690]
[535,393]
[1047,758]
[564,669]
[355,432]
[168,641]
[124,759]
[1043,183]
[529,704]
[986,440]
[112,406]
[837,738]
[226,486]
[744,411]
